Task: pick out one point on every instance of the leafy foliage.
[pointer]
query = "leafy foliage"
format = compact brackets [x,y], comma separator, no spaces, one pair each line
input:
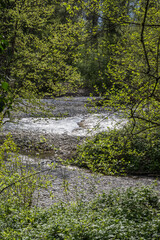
[100,34]
[119,152]
[18,180]
[46,47]
[134,68]
[133,71]
[37,43]
[40,45]
[129,214]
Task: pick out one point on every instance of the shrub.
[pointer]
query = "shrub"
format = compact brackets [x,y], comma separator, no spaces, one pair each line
[118,152]
[18,180]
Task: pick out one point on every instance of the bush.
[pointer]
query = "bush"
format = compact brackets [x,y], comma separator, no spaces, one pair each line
[126,214]
[18,180]
[118,152]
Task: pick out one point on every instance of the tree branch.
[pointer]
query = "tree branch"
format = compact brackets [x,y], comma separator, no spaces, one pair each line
[146,120]
[142,36]
[24,178]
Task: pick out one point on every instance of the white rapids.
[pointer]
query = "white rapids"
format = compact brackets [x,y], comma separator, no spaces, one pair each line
[81,125]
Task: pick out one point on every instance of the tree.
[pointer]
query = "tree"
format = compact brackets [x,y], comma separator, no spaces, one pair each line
[134,67]
[39,59]
[40,43]
[100,32]
[134,72]
[5,102]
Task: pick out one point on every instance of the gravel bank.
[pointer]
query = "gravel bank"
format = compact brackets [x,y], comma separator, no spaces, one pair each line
[68,183]
[44,145]
[71,183]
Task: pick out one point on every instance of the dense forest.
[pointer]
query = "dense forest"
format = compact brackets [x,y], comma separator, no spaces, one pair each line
[111,48]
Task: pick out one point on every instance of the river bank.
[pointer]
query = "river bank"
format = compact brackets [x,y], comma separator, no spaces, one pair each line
[43,142]
[59,136]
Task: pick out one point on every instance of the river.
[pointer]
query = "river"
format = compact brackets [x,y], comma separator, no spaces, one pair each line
[64,134]
[76,118]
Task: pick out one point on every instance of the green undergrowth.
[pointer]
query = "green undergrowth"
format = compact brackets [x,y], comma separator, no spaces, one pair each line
[19,179]
[117,152]
[120,214]
[127,214]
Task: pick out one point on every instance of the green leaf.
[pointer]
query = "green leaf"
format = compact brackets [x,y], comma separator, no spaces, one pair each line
[1,47]
[5,85]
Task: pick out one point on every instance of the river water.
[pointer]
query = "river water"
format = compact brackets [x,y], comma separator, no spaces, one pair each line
[79,122]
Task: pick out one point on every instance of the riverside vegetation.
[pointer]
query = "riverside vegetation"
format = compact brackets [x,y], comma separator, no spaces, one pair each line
[118,152]
[51,48]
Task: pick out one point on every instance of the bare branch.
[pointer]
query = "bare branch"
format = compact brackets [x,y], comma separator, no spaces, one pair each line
[147,120]
[157,58]
[142,36]
[139,24]
[157,72]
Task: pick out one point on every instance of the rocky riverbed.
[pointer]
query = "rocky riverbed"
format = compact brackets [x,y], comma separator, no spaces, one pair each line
[46,142]
[59,136]
[69,183]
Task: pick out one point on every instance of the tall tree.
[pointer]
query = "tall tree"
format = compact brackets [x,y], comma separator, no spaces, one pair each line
[40,44]
[134,67]
[101,31]
[40,55]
